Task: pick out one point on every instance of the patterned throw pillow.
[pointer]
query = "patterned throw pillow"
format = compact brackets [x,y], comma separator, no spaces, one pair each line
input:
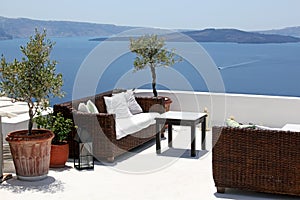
[232,123]
[133,105]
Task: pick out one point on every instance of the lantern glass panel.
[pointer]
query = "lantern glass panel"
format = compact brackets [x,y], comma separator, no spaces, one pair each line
[85,158]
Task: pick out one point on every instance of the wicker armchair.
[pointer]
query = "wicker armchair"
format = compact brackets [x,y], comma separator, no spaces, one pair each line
[101,127]
[257,160]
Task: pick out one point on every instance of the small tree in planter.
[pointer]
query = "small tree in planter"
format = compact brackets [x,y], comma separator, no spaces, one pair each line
[33,80]
[151,52]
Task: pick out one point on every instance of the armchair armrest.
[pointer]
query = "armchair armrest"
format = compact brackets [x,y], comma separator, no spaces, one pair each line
[96,124]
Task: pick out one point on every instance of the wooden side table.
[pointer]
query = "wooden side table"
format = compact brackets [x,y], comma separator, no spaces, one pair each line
[182,119]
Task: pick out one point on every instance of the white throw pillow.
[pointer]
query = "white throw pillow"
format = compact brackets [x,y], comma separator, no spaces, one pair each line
[83,108]
[133,105]
[117,104]
[108,104]
[92,107]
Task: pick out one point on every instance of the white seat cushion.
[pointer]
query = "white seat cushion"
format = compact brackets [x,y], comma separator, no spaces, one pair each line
[135,123]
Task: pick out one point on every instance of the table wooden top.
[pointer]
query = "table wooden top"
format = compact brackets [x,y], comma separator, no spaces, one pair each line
[179,115]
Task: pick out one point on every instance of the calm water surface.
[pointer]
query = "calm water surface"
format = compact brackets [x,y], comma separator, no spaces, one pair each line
[271,69]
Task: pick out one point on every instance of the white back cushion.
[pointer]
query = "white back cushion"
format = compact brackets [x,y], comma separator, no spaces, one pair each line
[92,107]
[83,108]
[117,104]
[133,105]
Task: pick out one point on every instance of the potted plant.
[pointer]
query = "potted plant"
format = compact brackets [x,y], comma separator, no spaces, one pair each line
[61,127]
[151,52]
[32,80]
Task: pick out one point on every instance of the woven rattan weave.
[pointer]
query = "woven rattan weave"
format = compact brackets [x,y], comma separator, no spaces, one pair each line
[257,160]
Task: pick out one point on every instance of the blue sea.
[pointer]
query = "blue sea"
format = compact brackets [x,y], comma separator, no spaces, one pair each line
[268,69]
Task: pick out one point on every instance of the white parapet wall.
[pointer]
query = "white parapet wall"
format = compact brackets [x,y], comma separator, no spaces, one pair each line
[16,116]
[273,111]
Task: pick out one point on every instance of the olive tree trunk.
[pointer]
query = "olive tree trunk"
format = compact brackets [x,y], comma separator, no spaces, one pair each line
[30,122]
[153,80]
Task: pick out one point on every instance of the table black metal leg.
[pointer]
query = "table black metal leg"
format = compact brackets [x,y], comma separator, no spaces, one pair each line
[193,140]
[158,138]
[203,134]
[170,139]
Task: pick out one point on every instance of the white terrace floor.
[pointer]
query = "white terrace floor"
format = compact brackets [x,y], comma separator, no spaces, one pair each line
[141,175]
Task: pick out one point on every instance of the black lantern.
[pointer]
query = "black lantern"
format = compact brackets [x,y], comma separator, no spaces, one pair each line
[83,151]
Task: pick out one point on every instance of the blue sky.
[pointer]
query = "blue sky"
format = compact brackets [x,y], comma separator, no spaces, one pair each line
[172,14]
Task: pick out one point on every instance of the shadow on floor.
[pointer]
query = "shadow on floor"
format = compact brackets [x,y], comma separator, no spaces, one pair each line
[127,154]
[62,169]
[249,195]
[47,185]
[182,153]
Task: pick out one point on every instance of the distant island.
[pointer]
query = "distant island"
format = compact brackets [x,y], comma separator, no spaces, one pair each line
[4,35]
[238,36]
[219,35]
[23,28]
[289,31]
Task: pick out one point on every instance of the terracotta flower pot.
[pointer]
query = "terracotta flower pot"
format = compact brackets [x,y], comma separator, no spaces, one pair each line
[168,102]
[31,154]
[59,155]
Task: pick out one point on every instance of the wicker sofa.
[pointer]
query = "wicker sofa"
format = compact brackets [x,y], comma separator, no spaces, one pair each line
[258,160]
[102,127]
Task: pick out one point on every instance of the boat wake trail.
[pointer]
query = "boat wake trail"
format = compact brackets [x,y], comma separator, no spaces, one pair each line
[242,64]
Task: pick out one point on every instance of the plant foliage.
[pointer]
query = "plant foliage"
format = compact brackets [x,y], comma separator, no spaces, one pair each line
[60,126]
[151,52]
[33,79]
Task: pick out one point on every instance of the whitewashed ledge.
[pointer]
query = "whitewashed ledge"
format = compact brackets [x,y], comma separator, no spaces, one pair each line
[272,111]
[16,117]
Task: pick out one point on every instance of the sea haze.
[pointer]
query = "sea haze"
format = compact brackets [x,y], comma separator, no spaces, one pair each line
[268,69]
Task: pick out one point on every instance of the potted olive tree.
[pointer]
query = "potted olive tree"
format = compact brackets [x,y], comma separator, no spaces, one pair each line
[34,80]
[151,52]
[61,127]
